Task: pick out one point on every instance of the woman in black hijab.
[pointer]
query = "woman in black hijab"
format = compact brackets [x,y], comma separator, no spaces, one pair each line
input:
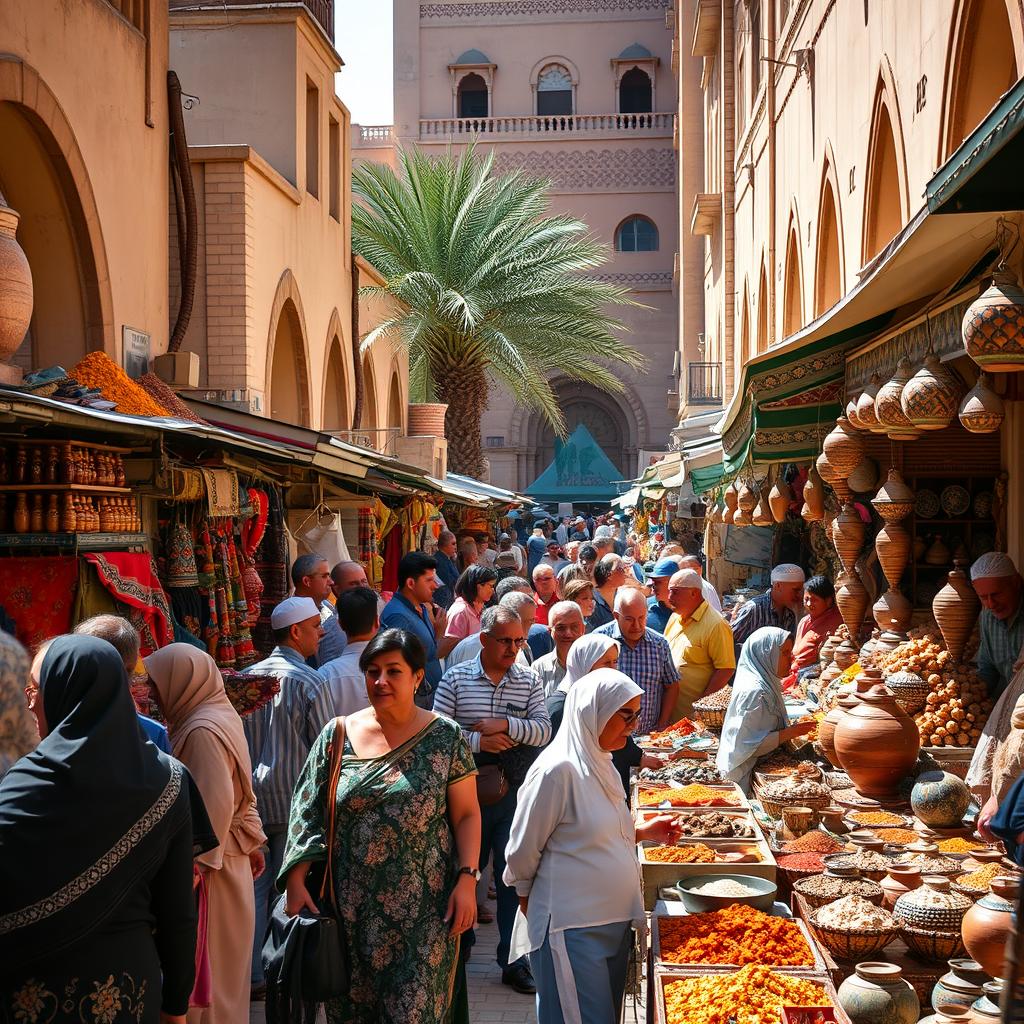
[97,913]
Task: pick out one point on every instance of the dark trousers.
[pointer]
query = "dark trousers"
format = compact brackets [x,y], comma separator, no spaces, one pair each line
[266,893]
[496,822]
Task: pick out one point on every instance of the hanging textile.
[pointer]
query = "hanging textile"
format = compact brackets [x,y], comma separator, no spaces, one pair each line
[133,580]
[39,595]
[221,492]
[271,564]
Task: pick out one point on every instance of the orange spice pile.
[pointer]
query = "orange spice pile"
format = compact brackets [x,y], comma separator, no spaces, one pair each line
[753,995]
[688,796]
[877,818]
[959,845]
[98,370]
[684,727]
[814,842]
[897,835]
[696,854]
[737,934]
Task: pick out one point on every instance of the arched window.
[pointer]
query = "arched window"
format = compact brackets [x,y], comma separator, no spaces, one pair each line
[792,309]
[473,96]
[635,93]
[762,312]
[883,215]
[828,285]
[554,91]
[637,234]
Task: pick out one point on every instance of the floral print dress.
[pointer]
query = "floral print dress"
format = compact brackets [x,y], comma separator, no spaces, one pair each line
[394,870]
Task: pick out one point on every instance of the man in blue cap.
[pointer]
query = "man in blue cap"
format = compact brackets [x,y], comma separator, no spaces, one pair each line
[659,611]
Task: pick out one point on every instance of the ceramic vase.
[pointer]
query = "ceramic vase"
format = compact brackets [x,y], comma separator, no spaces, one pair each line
[843,448]
[899,879]
[852,602]
[848,535]
[956,608]
[940,799]
[932,906]
[888,407]
[961,985]
[982,410]
[877,744]
[894,500]
[846,653]
[948,1013]
[742,517]
[827,730]
[910,690]
[16,297]
[986,1010]
[988,924]
[930,397]
[893,613]
[780,497]
[866,415]
[828,648]
[892,545]
[993,326]
[877,993]
[814,496]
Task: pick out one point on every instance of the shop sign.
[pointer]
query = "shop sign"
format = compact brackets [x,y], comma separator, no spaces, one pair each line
[135,351]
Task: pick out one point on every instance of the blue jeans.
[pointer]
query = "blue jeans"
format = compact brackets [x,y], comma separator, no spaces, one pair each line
[496,822]
[266,892]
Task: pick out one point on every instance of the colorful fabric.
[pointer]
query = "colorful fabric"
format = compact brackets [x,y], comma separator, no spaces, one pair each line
[221,492]
[39,595]
[133,581]
[181,558]
[395,866]
[271,563]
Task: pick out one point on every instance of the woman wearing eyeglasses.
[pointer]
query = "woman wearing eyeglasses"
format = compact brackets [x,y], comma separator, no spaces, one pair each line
[571,857]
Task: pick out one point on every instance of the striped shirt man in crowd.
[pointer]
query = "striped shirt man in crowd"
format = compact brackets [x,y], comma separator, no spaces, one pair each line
[781,606]
[280,735]
[501,708]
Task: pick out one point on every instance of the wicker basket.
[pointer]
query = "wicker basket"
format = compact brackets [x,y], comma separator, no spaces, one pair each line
[932,945]
[774,807]
[815,902]
[713,718]
[851,945]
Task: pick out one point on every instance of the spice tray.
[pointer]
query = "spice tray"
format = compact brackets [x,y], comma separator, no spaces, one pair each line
[728,789]
[818,969]
[730,812]
[665,974]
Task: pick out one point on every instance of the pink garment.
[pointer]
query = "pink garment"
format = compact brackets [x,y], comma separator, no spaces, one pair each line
[202,991]
[463,619]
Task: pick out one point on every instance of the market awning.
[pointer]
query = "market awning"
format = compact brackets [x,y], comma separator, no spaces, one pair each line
[579,472]
[984,174]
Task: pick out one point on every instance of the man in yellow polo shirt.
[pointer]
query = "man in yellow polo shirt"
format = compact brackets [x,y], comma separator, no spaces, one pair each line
[700,639]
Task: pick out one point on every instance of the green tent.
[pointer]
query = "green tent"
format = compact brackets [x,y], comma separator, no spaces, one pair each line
[579,472]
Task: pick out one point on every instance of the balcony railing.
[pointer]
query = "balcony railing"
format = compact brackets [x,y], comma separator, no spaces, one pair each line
[373,135]
[704,384]
[548,124]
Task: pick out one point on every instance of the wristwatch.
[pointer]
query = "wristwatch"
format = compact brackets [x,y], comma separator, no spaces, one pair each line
[471,871]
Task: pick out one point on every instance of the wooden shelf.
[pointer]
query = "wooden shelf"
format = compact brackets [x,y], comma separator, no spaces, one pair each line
[76,488]
[79,541]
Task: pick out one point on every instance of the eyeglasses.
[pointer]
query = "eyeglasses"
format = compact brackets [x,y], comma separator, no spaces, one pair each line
[508,641]
[629,717]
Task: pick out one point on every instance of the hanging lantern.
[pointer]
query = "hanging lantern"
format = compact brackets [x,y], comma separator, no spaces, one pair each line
[891,417]
[894,500]
[930,397]
[814,497]
[747,497]
[865,476]
[866,415]
[981,411]
[779,499]
[993,326]
[851,414]
[843,448]
[743,517]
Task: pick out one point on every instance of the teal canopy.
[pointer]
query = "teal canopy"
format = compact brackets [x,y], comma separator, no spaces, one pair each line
[580,471]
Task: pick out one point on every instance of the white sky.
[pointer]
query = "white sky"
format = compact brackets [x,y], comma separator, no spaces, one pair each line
[362,35]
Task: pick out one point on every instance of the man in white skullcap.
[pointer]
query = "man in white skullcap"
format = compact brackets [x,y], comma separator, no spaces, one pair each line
[780,606]
[1001,625]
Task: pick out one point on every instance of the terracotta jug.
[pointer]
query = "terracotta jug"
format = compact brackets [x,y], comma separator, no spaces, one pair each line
[931,396]
[843,447]
[747,496]
[37,519]
[988,923]
[814,495]
[877,744]
[894,500]
[960,985]
[852,602]
[828,648]
[920,547]
[21,513]
[900,878]
[893,610]
[892,545]
[865,477]
[982,410]
[866,415]
[845,654]
[762,514]
[15,285]
[827,730]
[727,515]
[848,535]
[779,498]
[937,553]
[956,609]
[731,497]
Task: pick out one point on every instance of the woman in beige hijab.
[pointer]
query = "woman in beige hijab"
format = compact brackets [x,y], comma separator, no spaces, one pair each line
[206,735]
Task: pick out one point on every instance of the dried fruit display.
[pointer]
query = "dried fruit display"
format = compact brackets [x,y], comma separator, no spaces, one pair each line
[736,934]
[714,825]
[698,853]
[682,773]
[753,995]
[689,796]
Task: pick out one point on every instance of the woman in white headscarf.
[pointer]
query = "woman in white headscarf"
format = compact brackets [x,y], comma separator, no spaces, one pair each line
[571,857]
[756,721]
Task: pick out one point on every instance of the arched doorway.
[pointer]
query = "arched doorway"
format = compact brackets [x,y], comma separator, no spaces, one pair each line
[396,406]
[289,380]
[883,211]
[636,94]
[370,420]
[762,312]
[745,351]
[337,415]
[472,96]
[793,301]
[828,287]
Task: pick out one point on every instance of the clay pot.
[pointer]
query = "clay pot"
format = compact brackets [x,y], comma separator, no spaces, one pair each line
[877,993]
[892,612]
[940,799]
[827,730]
[865,477]
[877,744]
[731,497]
[892,545]
[910,689]
[426,419]
[960,986]
[814,496]
[780,497]
[851,414]
[930,397]
[826,470]
[932,906]
[762,514]
[747,497]
[948,1013]
[866,415]
[15,285]
[848,535]
[742,517]
[727,515]
[828,648]
[845,654]
[956,608]
[981,411]
[920,547]
[899,879]
[889,409]
[852,602]
[986,1010]
[988,923]
[843,448]
[993,326]
[894,500]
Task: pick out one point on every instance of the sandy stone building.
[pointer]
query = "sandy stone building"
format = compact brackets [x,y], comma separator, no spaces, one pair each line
[580,91]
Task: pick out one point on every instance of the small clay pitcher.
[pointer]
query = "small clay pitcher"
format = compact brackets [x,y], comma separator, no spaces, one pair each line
[900,878]
[877,993]
[988,923]
[961,986]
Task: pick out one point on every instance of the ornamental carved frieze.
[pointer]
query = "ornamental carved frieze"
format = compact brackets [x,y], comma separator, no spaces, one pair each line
[575,170]
[638,282]
[527,8]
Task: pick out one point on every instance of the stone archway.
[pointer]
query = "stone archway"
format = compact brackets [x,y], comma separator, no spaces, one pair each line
[44,178]
[287,359]
[336,406]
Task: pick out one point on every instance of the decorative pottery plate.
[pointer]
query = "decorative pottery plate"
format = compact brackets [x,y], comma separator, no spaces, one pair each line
[926,503]
[983,504]
[956,500]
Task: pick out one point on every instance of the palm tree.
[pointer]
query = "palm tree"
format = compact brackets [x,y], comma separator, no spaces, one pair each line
[488,287]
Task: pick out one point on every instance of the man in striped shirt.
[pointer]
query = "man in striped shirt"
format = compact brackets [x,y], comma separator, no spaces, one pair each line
[500,706]
[781,606]
[280,735]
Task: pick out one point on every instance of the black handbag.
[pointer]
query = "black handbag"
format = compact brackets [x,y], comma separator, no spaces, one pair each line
[305,958]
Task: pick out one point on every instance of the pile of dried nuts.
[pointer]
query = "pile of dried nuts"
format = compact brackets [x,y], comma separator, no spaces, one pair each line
[706,824]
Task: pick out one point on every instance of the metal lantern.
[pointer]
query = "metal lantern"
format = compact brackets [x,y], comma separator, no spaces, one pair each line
[981,411]
[929,399]
[993,326]
[866,416]
[888,408]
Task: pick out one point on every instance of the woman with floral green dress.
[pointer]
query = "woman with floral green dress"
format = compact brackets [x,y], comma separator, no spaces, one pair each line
[405,803]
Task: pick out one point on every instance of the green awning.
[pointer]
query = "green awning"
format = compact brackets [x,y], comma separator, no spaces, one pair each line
[579,472]
[985,173]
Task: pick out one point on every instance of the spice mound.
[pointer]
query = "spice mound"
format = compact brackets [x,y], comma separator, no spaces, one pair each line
[854,914]
[688,796]
[930,863]
[712,823]
[753,995]
[98,370]
[831,888]
[737,934]
[980,880]
[897,835]
[877,818]
[959,845]
[698,853]
[684,727]
[865,860]
[801,861]
[814,842]
[795,788]
[724,887]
